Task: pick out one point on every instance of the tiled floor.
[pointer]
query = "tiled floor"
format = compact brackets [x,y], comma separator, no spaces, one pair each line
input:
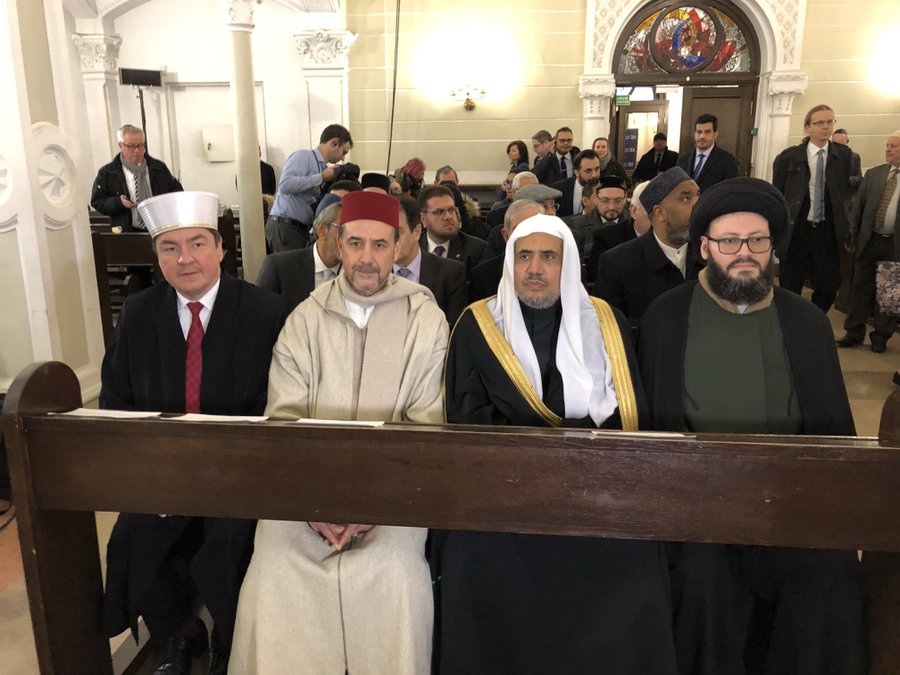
[867,376]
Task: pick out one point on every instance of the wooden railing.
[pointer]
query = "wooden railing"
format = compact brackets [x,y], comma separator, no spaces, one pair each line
[819,492]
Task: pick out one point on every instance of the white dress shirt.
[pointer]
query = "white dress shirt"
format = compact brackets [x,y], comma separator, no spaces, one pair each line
[208,301]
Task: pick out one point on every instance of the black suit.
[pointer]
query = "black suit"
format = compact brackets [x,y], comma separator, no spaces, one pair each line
[110,184]
[267,176]
[634,274]
[291,274]
[647,169]
[143,369]
[607,237]
[485,278]
[566,204]
[718,165]
[463,247]
[547,168]
[807,248]
[446,279]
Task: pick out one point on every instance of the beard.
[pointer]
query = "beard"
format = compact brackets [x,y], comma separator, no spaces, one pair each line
[674,236]
[542,302]
[363,288]
[740,291]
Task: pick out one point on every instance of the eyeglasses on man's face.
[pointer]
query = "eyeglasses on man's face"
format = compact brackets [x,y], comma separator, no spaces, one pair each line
[132,146]
[823,123]
[732,245]
[606,201]
[440,213]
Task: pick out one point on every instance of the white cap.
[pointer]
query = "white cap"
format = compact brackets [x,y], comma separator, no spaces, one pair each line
[179,210]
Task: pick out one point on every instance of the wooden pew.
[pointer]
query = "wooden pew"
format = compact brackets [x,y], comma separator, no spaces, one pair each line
[798,490]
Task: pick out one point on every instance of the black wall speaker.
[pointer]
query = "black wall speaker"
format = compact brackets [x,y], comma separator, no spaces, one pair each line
[140,78]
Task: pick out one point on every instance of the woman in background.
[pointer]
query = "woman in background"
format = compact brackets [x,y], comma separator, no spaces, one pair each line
[517,152]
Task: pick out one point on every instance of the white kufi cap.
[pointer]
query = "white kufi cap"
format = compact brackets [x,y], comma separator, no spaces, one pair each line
[180,210]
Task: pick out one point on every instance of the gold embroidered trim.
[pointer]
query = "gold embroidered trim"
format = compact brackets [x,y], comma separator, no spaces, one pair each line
[507,358]
[618,362]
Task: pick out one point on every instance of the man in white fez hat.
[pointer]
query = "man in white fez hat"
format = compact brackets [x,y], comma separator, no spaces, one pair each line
[731,353]
[368,345]
[202,343]
[631,275]
[542,353]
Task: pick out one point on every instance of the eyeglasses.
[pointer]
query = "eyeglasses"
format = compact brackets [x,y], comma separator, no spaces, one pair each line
[133,146]
[606,201]
[731,245]
[565,140]
[440,213]
[551,206]
[823,123]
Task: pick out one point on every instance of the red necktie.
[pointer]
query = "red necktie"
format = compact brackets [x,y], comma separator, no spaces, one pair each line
[193,363]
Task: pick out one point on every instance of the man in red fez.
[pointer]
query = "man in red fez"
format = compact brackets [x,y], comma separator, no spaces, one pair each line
[368,345]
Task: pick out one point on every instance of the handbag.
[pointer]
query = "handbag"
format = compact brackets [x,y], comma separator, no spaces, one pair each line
[887,287]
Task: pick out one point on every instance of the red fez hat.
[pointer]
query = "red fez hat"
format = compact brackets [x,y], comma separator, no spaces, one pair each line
[370,206]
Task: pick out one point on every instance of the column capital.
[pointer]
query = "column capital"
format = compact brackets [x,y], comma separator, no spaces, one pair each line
[239,14]
[784,86]
[324,48]
[98,52]
[595,91]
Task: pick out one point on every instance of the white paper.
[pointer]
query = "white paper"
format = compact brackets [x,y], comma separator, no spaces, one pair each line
[200,417]
[644,434]
[113,414]
[338,423]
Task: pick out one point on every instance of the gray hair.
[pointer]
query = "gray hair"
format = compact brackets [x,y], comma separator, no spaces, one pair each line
[518,179]
[636,195]
[328,215]
[515,207]
[128,129]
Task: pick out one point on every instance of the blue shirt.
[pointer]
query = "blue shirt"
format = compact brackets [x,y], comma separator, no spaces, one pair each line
[299,186]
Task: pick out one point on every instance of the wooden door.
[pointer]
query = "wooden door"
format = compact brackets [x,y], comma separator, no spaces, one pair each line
[733,105]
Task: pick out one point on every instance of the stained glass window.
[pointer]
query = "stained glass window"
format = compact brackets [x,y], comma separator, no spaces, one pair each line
[686,39]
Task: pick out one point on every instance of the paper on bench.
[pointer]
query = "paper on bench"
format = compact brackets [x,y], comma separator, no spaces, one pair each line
[200,417]
[115,414]
[338,423]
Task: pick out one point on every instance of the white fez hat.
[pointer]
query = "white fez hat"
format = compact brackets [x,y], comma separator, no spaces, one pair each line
[180,210]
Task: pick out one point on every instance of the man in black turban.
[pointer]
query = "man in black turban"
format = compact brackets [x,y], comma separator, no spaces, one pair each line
[731,353]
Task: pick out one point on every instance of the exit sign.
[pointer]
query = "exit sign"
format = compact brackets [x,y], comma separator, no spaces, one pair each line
[623,99]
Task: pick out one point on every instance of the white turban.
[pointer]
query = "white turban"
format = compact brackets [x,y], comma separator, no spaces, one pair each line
[580,353]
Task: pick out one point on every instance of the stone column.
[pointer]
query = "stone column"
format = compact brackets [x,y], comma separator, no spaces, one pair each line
[98,54]
[325,69]
[781,88]
[239,19]
[596,92]
[49,304]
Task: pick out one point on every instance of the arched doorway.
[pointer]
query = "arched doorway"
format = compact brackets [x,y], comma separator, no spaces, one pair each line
[680,60]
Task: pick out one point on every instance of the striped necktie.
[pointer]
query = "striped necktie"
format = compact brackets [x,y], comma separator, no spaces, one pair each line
[886,195]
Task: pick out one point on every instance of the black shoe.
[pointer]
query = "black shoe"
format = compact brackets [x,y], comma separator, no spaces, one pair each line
[849,340]
[897,378]
[879,343]
[180,652]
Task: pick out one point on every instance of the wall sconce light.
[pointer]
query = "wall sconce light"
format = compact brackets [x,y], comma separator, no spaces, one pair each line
[468,94]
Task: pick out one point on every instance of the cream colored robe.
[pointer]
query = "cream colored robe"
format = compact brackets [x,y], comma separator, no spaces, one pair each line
[305,608]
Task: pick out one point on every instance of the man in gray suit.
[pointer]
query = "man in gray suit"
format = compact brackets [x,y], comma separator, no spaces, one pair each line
[873,234]
[294,274]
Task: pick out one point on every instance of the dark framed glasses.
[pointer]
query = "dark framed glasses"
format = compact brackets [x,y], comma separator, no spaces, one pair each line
[731,245]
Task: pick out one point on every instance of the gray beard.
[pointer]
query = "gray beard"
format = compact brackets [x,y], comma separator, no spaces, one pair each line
[545,302]
[739,291]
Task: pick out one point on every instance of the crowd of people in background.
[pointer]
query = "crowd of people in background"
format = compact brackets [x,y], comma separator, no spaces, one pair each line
[584,297]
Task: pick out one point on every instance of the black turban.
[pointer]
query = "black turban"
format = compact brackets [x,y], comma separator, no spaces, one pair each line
[737,195]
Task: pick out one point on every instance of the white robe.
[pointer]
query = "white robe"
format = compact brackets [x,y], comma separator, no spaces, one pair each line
[304,607]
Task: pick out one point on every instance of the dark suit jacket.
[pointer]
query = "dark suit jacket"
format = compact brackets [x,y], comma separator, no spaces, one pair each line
[790,174]
[143,369]
[291,274]
[267,175]
[870,191]
[567,187]
[605,238]
[646,166]
[547,168]
[485,278]
[719,165]
[463,247]
[632,275]
[110,184]
[446,279]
